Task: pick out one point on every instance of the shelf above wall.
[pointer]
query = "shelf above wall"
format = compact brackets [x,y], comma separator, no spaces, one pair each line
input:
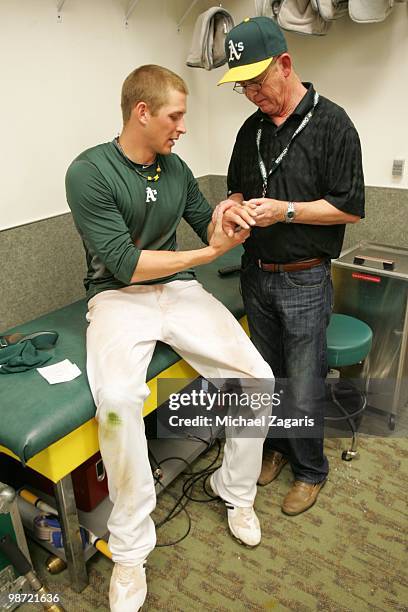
[193,3]
[60,4]
[131,7]
[129,10]
[133,3]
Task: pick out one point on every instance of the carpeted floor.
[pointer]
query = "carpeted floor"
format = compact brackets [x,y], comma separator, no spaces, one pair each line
[347,554]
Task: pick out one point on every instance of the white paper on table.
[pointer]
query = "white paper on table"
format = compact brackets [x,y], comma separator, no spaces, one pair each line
[63,371]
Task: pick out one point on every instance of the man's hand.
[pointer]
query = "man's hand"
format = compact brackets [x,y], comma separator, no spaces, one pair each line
[268,211]
[223,242]
[234,216]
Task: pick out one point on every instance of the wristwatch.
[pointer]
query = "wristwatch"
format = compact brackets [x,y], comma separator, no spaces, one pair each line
[290,212]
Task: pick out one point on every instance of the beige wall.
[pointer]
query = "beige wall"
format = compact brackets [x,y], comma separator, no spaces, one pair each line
[60,86]
[60,89]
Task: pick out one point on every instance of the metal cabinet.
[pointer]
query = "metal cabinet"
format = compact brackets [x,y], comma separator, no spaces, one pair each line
[371,283]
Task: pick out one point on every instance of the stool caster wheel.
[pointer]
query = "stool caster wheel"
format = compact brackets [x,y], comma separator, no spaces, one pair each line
[55,565]
[391,422]
[348,455]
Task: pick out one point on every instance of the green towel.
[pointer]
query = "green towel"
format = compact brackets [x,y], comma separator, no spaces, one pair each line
[21,357]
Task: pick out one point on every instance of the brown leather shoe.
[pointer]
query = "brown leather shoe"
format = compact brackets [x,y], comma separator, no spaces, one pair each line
[301,497]
[272,464]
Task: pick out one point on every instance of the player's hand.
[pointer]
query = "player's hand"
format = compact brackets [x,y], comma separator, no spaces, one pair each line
[235,216]
[223,242]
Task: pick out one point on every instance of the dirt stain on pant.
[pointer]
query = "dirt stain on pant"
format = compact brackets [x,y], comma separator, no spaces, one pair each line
[109,426]
[113,419]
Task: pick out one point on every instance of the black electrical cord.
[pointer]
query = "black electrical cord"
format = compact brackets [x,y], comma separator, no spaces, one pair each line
[206,473]
[173,513]
[188,485]
[166,520]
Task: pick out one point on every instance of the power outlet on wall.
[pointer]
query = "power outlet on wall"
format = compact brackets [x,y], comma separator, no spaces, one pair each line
[398,167]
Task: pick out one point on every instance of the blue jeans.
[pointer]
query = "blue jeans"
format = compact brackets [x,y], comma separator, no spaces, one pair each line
[288,313]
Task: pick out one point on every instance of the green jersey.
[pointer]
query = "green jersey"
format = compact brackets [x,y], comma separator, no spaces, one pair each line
[119,212]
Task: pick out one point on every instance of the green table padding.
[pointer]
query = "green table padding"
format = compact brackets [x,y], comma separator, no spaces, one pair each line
[348,340]
[34,414]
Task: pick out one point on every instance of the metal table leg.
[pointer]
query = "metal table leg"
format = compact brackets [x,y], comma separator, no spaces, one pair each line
[67,512]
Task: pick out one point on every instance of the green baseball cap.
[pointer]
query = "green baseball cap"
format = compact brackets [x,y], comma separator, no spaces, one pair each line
[250,47]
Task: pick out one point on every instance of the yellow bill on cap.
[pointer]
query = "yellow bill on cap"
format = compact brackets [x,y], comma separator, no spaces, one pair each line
[245,73]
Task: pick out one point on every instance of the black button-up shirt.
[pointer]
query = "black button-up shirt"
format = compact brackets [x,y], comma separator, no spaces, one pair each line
[323,162]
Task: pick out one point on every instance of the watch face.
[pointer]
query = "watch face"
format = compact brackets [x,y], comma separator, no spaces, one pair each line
[290,214]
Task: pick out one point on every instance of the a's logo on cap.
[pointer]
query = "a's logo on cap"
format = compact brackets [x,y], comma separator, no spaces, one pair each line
[235,50]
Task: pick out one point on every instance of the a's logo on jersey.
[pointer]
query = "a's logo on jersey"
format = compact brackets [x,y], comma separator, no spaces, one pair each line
[235,50]
[151,194]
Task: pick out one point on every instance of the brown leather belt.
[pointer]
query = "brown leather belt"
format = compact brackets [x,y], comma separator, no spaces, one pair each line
[290,267]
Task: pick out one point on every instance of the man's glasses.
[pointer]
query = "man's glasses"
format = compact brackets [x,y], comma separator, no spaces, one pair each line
[252,87]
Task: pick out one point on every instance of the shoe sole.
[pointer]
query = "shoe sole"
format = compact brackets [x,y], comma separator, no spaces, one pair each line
[42,340]
[264,484]
[236,539]
[288,513]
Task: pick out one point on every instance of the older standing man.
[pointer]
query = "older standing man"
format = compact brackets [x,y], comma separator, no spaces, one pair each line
[296,169]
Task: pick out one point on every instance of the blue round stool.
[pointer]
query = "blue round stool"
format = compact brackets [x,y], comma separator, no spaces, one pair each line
[348,343]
